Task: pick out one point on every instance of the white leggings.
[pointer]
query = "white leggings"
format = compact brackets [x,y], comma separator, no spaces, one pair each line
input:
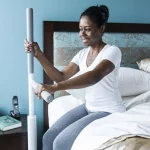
[63,133]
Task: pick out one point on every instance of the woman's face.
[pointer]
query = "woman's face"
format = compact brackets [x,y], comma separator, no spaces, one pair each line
[89,33]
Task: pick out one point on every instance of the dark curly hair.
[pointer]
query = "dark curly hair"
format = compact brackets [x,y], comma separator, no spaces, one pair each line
[97,14]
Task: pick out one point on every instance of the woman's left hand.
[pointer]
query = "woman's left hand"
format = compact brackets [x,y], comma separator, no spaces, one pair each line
[45,87]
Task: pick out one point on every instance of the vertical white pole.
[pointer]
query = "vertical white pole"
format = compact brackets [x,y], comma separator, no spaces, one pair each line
[32,126]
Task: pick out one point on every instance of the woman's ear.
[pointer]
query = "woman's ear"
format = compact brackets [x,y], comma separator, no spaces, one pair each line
[102,28]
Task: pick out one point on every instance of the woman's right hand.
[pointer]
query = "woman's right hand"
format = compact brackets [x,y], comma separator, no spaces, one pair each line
[32,46]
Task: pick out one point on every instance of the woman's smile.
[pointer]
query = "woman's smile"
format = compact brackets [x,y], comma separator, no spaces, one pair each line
[89,32]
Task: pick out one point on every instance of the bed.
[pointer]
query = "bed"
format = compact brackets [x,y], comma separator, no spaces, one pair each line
[61,43]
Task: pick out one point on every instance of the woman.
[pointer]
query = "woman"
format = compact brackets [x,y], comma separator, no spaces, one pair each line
[99,63]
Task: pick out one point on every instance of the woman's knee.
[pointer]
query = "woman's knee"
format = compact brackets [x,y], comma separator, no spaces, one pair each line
[59,144]
[62,142]
[49,137]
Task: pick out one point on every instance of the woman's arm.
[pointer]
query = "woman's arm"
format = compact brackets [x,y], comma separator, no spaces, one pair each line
[54,73]
[49,69]
[84,80]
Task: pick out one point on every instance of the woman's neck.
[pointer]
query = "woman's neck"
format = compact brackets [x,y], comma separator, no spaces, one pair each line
[94,49]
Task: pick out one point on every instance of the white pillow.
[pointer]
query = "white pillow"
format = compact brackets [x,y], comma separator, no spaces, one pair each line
[77,93]
[144,64]
[60,106]
[133,101]
[133,81]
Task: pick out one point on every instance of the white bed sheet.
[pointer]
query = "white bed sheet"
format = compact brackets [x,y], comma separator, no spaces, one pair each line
[89,138]
[133,122]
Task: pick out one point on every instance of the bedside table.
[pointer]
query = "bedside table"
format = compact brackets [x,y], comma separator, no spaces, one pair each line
[15,139]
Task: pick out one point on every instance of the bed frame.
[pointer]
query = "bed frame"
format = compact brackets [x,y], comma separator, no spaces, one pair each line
[49,27]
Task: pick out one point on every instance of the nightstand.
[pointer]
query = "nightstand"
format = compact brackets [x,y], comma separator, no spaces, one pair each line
[15,139]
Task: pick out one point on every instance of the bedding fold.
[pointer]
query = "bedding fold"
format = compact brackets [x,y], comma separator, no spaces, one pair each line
[133,122]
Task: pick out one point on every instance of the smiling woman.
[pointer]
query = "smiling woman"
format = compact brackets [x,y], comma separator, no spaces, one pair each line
[97,61]
[99,65]
[62,42]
